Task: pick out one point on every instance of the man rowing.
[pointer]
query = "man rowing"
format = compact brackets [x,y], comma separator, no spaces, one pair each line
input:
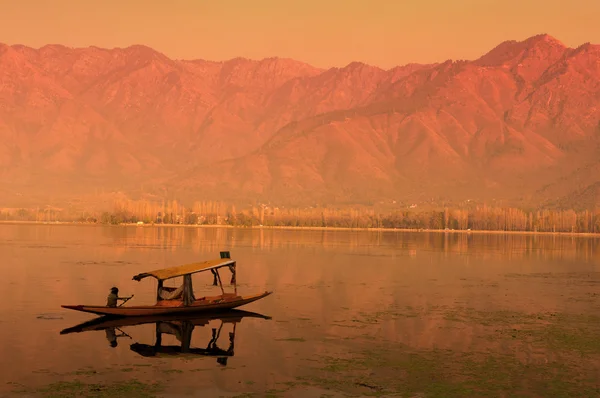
[112,298]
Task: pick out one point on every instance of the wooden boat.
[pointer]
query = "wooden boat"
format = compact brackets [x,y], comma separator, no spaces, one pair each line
[181,326]
[181,300]
[106,322]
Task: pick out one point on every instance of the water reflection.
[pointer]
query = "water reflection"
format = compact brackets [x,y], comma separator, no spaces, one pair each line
[488,245]
[530,298]
[169,239]
[179,326]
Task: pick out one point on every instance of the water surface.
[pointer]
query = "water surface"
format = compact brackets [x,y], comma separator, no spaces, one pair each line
[353,313]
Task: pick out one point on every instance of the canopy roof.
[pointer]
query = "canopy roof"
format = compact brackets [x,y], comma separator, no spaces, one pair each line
[185,269]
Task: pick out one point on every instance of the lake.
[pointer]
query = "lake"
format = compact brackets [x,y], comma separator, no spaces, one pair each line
[352,313]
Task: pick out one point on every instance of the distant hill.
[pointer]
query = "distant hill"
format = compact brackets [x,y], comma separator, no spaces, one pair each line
[521,124]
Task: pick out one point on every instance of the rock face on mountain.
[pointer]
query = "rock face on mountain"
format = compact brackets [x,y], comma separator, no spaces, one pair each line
[520,123]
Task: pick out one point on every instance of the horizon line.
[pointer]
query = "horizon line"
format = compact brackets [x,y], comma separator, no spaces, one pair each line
[131,46]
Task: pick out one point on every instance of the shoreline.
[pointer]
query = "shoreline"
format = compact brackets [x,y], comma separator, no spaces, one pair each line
[278,227]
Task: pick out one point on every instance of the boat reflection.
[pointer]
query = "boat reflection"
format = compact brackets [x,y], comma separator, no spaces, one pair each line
[180,326]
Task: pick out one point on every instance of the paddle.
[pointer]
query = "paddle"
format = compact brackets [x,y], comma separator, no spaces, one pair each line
[123,333]
[126,300]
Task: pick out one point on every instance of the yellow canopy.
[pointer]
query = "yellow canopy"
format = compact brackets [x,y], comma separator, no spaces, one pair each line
[186,269]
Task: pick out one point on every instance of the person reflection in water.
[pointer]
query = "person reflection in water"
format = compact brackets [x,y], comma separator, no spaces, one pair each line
[112,336]
[112,298]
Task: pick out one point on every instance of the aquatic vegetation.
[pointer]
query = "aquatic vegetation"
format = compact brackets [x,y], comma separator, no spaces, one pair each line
[76,388]
[445,373]
[295,339]
[565,350]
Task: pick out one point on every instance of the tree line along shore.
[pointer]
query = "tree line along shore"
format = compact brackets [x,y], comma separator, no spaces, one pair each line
[207,213]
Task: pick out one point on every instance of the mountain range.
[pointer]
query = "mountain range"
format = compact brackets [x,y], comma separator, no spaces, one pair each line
[520,124]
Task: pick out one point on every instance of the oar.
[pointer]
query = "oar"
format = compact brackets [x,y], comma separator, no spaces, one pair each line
[126,300]
[124,333]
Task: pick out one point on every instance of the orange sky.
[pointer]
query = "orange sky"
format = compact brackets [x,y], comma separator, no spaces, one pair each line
[323,33]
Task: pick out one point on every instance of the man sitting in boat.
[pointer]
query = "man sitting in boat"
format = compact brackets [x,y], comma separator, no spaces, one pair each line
[112,298]
[170,293]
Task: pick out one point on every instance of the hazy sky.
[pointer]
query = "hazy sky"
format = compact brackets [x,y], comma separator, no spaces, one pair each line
[321,32]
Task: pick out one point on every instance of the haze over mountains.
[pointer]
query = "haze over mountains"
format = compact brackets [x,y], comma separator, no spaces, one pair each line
[521,123]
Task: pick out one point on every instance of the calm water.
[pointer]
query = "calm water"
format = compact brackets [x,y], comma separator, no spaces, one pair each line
[353,313]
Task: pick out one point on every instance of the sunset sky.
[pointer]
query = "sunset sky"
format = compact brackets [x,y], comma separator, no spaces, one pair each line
[323,33]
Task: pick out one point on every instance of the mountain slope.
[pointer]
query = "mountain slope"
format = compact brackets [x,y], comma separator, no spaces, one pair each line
[457,130]
[522,122]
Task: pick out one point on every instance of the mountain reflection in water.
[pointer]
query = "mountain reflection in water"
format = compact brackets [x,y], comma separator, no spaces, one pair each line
[357,312]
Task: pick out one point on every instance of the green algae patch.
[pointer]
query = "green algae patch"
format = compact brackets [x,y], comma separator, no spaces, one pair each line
[77,388]
[445,373]
[575,333]
[173,371]
[85,372]
[198,370]
[543,354]
[295,339]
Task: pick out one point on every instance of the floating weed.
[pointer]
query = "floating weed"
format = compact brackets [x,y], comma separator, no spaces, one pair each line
[446,373]
[85,372]
[296,339]
[376,317]
[311,360]
[584,341]
[351,326]
[289,384]
[453,316]
[77,388]
[273,393]
[559,332]
[173,371]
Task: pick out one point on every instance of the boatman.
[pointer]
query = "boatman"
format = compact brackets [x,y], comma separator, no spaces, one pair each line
[112,298]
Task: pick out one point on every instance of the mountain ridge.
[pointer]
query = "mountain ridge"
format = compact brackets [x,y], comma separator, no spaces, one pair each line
[506,125]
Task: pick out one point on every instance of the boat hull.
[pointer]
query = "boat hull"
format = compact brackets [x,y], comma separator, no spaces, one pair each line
[202,319]
[198,306]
